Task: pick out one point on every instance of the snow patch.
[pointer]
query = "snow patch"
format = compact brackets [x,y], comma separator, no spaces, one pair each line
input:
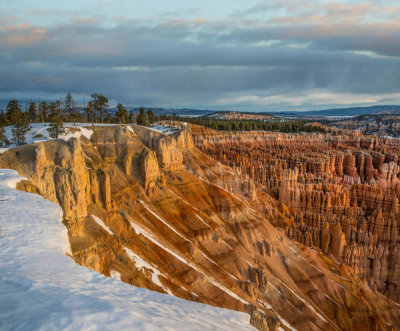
[304,301]
[78,132]
[283,321]
[248,262]
[212,261]
[9,181]
[140,264]
[166,129]
[203,221]
[164,222]
[38,133]
[101,223]
[115,274]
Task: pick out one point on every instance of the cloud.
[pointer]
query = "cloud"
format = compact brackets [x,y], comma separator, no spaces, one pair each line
[21,34]
[305,59]
[318,98]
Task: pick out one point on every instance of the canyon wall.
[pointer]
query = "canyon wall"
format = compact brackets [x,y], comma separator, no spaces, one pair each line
[154,211]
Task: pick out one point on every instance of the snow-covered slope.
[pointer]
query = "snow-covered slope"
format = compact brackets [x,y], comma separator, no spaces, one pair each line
[41,287]
[38,132]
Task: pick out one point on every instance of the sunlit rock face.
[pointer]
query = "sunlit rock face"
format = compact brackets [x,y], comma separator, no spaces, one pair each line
[343,191]
[161,214]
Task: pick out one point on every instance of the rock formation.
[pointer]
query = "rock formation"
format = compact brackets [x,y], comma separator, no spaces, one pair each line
[163,215]
[343,190]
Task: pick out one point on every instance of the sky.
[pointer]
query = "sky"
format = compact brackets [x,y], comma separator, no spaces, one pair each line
[228,54]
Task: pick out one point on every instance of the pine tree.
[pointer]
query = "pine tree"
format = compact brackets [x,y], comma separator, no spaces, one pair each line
[12,106]
[3,138]
[89,110]
[99,102]
[32,111]
[121,115]
[19,120]
[69,106]
[151,118]
[142,118]
[3,118]
[43,110]
[59,110]
[52,110]
[56,127]
[131,116]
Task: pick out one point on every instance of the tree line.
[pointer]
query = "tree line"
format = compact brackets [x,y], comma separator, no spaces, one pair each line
[66,110]
[285,126]
[95,111]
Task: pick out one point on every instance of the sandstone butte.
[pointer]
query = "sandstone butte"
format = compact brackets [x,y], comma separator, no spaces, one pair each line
[301,232]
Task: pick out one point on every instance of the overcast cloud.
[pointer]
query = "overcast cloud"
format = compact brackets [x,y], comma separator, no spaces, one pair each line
[293,55]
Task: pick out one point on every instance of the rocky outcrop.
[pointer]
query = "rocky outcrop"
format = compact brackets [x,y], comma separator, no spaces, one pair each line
[60,176]
[263,322]
[150,171]
[169,154]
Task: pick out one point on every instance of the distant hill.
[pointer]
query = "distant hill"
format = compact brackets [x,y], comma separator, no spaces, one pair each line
[168,111]
[231,115]
[352,111]
[336,112]
[383,124]
[180,112]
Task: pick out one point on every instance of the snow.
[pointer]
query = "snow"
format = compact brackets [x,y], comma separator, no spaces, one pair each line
[203,221]
[115,274]
[101,223]
[155,274]
[81,131]
[42,288]
[303,301]
[248,262]
[212,261]
[332,299]
[166,129]
[39,133]
[209,183]
[283,321]
[164,222]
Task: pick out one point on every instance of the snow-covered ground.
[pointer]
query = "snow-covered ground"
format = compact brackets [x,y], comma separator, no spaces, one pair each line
[38,132]
[42,288]
[166,129]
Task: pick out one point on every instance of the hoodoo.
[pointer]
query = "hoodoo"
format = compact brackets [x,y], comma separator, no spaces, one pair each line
[343,192]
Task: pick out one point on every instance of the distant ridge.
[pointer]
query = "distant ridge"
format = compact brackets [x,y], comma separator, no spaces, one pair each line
[232,115]
[334,112]
[352,111]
